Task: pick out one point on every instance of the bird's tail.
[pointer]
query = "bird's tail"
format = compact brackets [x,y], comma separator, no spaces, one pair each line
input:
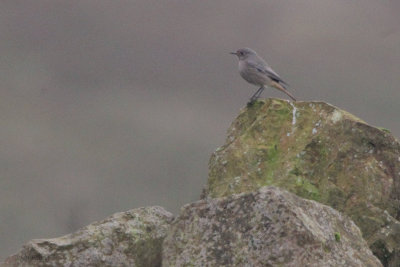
[282,87]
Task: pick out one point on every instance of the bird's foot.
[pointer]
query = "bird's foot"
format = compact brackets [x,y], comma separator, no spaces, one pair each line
[251,101]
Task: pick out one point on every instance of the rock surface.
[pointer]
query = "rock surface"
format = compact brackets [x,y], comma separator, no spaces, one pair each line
[312,149]
[319,152]
[132,238]
[269,227]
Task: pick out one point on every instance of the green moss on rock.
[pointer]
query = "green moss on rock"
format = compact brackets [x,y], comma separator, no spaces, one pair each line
[132,238]
[337,237]
[318,152]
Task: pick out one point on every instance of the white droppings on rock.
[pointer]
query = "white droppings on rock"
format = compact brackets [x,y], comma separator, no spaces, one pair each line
[336,116]
[293,113]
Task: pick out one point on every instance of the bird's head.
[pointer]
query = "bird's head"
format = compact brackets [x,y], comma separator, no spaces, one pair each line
[244,53]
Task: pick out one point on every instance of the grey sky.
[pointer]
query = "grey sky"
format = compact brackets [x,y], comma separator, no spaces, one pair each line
[112,105]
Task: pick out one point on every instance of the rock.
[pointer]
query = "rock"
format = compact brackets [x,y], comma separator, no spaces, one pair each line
[269,227]
[312,149]
[318,152]
[132,238]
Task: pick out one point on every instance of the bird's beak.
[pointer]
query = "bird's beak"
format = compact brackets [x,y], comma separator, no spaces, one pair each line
[233,53]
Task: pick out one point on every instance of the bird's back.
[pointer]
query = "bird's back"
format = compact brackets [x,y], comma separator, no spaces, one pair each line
[262,66]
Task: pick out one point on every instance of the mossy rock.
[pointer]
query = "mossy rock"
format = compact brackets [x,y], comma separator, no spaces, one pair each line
[318,152]
[131,238]
[267,227]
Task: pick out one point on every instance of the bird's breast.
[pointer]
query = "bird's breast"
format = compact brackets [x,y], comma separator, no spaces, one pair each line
[242,67]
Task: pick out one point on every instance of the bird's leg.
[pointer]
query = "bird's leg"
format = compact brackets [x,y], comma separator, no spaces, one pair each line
[256,95]
[260,91]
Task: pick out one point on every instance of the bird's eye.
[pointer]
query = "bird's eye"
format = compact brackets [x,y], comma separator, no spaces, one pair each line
[241,53]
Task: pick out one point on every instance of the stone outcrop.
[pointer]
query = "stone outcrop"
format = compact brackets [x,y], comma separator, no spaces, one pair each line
[269,227]
[318,152]
[254,210]
[132,238]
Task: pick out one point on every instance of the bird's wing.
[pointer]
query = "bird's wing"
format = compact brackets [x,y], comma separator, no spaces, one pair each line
[267,70]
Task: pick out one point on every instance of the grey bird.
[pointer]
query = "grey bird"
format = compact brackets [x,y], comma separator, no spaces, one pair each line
[256,71]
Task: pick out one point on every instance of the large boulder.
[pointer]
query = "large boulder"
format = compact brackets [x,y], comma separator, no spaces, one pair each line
[269,227]
[319,152]
[132,238]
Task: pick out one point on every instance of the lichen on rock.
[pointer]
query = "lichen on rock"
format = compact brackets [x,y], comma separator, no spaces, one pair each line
[132,238]
[268,227]
[318,152]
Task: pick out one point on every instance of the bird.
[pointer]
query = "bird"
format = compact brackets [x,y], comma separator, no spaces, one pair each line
[256,71]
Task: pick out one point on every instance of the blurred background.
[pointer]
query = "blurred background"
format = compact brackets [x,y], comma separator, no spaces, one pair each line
[107,106]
